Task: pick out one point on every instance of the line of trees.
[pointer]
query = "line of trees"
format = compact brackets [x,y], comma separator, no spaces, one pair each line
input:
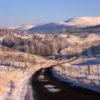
[36,45]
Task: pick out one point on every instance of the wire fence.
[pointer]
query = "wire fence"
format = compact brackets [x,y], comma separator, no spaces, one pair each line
[89,74]
[11,64]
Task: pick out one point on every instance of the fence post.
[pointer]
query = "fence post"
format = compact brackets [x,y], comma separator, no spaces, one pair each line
[89,70]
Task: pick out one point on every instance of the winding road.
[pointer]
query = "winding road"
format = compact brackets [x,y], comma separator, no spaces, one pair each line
[46,87]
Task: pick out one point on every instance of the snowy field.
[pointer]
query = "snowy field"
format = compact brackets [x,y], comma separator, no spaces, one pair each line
[84,73]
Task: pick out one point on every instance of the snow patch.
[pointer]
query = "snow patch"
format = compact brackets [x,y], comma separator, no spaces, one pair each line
[52,88]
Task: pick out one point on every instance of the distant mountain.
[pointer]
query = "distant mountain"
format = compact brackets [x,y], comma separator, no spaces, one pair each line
[83,21]
[50,27]
[78,24]
[25,27]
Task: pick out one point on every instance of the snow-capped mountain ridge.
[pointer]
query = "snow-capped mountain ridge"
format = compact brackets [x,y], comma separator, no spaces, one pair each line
[79,21]
[83,21]
[61,26]
[68,25]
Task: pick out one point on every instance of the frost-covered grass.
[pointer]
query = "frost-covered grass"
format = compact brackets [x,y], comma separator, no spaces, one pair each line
[85,75]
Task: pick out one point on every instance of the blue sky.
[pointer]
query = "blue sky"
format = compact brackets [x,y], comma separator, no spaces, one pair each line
[15,12]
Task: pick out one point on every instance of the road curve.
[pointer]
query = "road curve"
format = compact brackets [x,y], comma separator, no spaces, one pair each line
[46,87]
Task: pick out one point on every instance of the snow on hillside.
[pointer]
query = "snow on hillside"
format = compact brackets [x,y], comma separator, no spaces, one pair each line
[59,26]
[22,27]
[80,21]
[83,21]
[85,73]
[92,37]
[25,26]
[73,39]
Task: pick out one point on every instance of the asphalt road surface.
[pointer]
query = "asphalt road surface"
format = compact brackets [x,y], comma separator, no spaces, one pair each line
[46,87]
